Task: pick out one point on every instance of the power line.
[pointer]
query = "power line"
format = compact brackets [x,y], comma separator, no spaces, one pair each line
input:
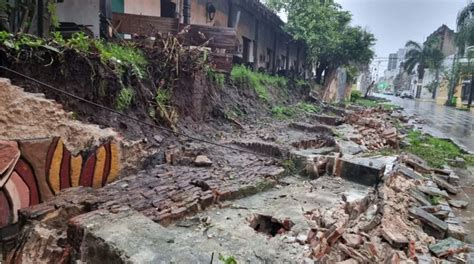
[127,116]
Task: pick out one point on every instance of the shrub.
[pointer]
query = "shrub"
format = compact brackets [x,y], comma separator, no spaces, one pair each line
[355,95]
[123,55]
[257,80]
[125,98]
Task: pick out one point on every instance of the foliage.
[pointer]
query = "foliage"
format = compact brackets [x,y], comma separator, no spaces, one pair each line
[163,97]
[228,259]
[289,166]
[326,29]
[285,112]
[125,98]
[437,152]
[124,56]
[352,73]
[216,78]
[257,80]
[366,102]
[435,199]
[51,7]
[428,55]
[79,41]
[465,36]
[355,95]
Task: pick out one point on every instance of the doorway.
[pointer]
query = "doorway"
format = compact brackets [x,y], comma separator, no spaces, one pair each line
[168,8]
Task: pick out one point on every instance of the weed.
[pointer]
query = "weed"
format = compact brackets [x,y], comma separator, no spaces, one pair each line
[258,80]
[290,167]
[216,78]
[58,38]
[435,200]
[52,10]
[355,95]
[437,152]
[366,102]
[79,41]
[163,97]
[125,98]
[283,112]
[227,259]
[308,108]
[123,56]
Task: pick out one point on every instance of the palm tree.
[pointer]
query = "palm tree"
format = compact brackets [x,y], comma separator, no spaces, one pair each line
[425,56]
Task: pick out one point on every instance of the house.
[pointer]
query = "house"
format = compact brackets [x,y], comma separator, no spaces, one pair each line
[260,42]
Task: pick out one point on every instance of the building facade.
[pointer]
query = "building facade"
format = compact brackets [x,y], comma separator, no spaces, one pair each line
[261,41]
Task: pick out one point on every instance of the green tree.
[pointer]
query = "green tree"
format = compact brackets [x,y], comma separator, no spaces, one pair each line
[424,56]
[325,28]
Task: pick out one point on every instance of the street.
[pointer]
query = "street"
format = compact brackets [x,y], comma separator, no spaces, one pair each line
[441,121]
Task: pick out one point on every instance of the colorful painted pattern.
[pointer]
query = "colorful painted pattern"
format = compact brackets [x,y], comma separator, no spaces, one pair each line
[36,170]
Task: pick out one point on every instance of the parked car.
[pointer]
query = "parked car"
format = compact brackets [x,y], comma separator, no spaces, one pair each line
[406,94]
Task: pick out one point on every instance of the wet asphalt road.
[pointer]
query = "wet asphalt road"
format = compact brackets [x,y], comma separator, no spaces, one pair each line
[441,121]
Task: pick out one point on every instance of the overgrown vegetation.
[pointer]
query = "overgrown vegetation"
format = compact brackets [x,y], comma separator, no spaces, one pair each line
[123,56]
[286,112]
[437,152]
[125,98]
[257,80]
[217,78]
[355,95]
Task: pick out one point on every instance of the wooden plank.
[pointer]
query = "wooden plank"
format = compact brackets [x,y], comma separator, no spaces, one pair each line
[216,37]
[144,25]
[429,219]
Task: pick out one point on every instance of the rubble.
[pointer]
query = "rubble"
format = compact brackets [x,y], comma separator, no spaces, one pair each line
[202,161]
[397,223]
[374,131]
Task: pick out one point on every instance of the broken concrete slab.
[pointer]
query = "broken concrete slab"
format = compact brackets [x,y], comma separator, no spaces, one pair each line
[445,185]
[364,171]
[447,247]
[433,191]
[456,231]
[98,237]
[319,129]
[328,120]
[420,197]
[394,238]
[430,220]
[458,203]
[409,173]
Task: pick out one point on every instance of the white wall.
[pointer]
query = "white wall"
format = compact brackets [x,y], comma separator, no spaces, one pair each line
[143,7]
[83,12]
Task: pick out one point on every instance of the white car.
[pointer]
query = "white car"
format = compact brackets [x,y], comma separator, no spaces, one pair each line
[406,94]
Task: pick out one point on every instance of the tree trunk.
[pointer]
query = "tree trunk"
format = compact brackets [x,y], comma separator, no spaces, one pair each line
[330,87]
[319,71]
[435,89]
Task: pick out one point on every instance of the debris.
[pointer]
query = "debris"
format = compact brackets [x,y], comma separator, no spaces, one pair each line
[430,220]
[447,247]
[458,203]
[395,238]
[202,161]
[445,185]
[433,191]
[268,225]
[361,170]
[456,231]
[409,173]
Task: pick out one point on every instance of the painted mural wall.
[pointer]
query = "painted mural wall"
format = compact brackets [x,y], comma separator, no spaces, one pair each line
[32,171]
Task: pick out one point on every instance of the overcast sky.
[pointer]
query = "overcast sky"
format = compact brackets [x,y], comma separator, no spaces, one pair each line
[394,22]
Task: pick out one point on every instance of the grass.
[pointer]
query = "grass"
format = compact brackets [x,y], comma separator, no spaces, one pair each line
[125,98]
[125,56]
[258,81]
[286,112]
[437,152]
[216,78]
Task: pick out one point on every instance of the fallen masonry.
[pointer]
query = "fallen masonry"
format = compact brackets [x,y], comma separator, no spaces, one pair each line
[205,201]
